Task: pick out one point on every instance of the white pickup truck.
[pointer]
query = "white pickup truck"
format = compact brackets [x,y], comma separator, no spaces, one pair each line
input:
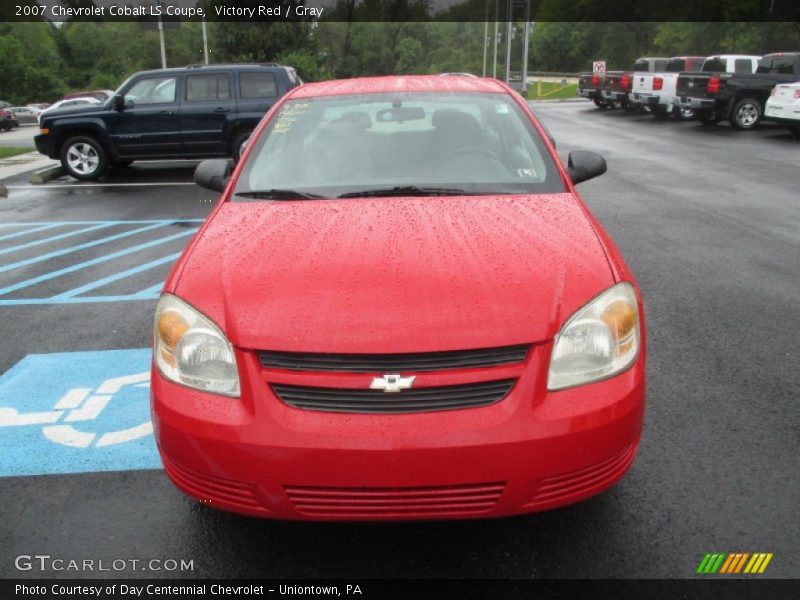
[657,90]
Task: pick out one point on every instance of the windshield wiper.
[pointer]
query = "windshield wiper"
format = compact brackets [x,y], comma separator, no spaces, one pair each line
[278,195]
[407,190]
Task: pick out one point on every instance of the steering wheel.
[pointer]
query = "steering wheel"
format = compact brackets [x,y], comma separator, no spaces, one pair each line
[465,151]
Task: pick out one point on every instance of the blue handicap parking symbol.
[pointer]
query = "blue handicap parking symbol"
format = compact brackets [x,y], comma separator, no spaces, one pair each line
[77,412]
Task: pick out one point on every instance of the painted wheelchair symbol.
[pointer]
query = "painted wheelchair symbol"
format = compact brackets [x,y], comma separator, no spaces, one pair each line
[80,405]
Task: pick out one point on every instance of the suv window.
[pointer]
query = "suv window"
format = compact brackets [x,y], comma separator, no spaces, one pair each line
[742,65]
[257,84]
[783,65]
[714,65]
[641,65]
[153,90]
[659,65]
[214,86]
[676,65]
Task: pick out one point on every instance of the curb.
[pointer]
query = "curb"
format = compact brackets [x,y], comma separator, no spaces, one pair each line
[45,175]
[3,190]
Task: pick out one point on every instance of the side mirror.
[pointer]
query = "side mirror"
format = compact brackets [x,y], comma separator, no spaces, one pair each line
[213,174]
[118,102]
[585,165]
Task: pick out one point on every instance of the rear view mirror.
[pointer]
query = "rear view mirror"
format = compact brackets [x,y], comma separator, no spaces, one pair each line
[118,102]
[213,174]
[400,114]
[585,165]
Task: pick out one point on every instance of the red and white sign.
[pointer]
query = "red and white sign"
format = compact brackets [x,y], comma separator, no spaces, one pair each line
[599,66]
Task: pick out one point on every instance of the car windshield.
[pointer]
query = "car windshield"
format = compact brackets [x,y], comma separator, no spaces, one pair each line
[398,144]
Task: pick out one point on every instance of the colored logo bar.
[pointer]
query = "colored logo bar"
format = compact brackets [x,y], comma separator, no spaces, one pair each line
[734,563]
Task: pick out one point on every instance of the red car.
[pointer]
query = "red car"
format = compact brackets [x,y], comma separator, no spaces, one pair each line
[400,309]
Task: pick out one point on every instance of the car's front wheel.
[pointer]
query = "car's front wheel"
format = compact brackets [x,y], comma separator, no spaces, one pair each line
[746,114]
[84,157]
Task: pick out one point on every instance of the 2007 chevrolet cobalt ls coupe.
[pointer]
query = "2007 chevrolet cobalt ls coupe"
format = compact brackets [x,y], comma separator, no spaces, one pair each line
[400,309]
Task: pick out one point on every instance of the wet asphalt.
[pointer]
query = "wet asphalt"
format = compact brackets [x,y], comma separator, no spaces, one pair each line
[709,221]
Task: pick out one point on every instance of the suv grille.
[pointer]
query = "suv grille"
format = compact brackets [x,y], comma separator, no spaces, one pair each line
[449,397]
[383,363]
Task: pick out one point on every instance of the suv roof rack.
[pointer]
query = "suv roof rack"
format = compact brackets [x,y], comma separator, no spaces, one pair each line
[201,66]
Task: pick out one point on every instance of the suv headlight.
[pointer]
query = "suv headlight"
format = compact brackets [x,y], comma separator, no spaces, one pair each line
[598,341]
[191,350]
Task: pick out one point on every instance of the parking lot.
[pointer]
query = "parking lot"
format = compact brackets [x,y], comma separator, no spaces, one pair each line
[707,218]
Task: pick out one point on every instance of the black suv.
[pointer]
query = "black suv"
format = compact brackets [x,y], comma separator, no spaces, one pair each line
[190,112]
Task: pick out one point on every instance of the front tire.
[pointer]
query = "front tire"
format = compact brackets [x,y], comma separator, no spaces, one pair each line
[84,158]
[746,114]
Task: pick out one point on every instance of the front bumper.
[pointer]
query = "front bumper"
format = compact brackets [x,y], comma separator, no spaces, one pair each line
[44,144]
[533,450]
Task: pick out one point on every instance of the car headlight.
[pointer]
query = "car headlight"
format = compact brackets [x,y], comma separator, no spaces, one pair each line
[598,341]
[191,350]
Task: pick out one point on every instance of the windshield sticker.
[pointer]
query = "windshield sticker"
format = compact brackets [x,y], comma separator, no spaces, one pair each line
[501,109]
[526,173]
[288,116]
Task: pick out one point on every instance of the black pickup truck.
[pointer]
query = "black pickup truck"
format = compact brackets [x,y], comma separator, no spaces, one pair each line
[589,85]
[738,97]
[617,85]
[199,111]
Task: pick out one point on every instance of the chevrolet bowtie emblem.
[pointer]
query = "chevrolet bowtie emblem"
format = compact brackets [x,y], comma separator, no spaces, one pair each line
[392,383]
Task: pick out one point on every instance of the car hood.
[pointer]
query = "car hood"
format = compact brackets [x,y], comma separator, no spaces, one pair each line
[394,274]
[73,110]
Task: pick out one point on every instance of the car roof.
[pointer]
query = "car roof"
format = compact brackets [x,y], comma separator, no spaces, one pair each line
[215,67]
[720,56]
[399,83]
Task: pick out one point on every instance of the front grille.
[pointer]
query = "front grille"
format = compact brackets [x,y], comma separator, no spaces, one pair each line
[388,363]
[439,501]
[449,397]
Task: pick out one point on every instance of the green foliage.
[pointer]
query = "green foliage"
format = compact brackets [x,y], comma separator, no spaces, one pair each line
[42,61]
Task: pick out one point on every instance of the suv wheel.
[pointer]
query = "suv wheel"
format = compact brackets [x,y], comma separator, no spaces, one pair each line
[746,113]
[83,157]
[239,143]
[600,102]
[684,113]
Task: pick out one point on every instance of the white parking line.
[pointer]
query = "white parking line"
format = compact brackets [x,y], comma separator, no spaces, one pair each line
[75,186]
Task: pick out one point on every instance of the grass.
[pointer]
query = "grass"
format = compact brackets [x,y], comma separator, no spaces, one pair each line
[8,152]
[550,90]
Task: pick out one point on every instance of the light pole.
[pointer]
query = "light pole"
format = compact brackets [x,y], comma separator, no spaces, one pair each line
[509,30]
[205,41]
[161,37]
[494,52]
[525,44]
